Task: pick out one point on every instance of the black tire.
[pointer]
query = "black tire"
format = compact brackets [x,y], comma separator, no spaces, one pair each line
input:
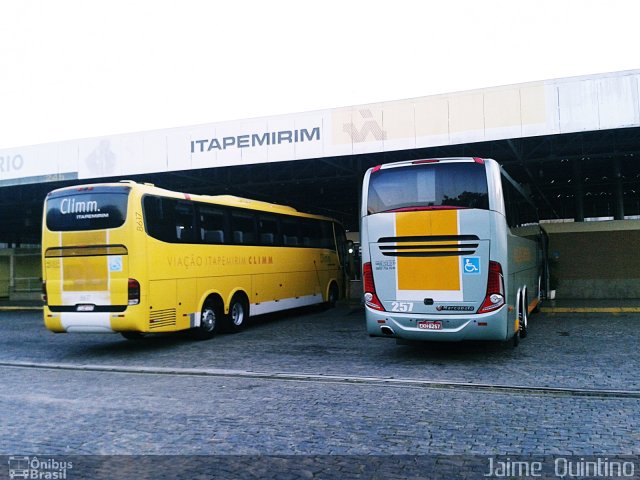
[210,317]
[524,316]
[132,335]
[334,294]
[238,315]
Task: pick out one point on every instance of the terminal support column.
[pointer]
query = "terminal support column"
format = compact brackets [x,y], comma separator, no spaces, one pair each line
[618,213]
[578,190]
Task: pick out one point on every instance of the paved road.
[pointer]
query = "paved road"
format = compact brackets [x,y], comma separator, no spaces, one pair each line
[63,412]
[574,351]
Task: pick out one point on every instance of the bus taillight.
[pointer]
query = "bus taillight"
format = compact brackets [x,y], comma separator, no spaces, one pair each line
[495,289]
[370,297]
[134,291]
[44,292]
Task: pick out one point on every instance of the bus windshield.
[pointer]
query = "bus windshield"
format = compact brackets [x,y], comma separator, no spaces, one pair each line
[87,208]
[432,185]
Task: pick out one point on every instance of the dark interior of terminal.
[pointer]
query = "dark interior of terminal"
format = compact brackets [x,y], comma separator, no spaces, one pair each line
[585,183]
[580,176]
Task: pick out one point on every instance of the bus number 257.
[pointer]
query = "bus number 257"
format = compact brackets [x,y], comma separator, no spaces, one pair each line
[402,307]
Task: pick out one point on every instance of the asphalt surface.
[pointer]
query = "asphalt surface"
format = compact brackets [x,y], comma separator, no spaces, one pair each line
[312,387]
[595,351]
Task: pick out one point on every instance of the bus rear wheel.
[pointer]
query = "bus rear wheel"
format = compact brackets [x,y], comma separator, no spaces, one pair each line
[238,314]
[524,316]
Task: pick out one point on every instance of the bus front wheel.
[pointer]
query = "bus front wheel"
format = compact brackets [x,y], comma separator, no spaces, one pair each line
[209,319]
[334,294]
[132,335]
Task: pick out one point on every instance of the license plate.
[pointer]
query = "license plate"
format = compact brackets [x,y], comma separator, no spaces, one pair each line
[430,325]
[85,308]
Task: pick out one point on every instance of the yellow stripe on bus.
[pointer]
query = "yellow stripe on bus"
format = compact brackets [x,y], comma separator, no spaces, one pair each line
[428,273]
[91,237]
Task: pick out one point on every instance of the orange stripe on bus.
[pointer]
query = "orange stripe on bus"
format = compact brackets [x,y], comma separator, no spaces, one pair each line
[533,304]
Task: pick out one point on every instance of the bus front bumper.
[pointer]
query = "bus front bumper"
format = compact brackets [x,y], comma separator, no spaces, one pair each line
[445,328]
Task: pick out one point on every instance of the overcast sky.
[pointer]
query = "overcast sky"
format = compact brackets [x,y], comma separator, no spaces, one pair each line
[79,68]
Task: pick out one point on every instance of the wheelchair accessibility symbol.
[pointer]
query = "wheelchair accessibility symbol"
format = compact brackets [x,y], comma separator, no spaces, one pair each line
[115,263]
[471,265]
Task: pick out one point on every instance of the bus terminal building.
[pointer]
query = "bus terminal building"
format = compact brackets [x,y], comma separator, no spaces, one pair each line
[575,143]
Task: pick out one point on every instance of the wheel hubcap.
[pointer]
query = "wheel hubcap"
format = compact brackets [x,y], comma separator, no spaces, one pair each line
[208,319]
[237,314]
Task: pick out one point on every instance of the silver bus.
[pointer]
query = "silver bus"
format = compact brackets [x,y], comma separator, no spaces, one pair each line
[452,250]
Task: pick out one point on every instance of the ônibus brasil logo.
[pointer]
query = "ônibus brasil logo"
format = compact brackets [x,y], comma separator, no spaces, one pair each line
[38,468]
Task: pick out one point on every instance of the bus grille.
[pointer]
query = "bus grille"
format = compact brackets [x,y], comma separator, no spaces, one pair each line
[162,318]
[428,246]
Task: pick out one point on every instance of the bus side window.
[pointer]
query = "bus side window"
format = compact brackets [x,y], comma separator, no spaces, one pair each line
[268,230]
[341,244]
[212,224]
[243,228]
[518,209]
[160,220]
[326,240]
[311,232]
[290,232]
[184,222]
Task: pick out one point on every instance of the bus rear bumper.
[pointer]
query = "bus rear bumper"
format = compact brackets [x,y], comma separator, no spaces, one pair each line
[78,322]
[452,328]
[90,322]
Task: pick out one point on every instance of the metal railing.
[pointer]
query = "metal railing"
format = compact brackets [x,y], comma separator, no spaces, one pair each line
[27,284]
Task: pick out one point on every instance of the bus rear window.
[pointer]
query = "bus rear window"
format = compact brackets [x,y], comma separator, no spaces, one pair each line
[84,209]
[459,185]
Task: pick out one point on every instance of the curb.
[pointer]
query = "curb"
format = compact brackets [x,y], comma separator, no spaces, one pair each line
[14,308]
[356,307]
[343,379]
[590,309]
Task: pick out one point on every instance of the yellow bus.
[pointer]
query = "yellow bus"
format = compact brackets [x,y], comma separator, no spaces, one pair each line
[134,258]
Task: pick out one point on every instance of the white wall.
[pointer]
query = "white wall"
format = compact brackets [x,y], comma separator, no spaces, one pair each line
[550,107]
